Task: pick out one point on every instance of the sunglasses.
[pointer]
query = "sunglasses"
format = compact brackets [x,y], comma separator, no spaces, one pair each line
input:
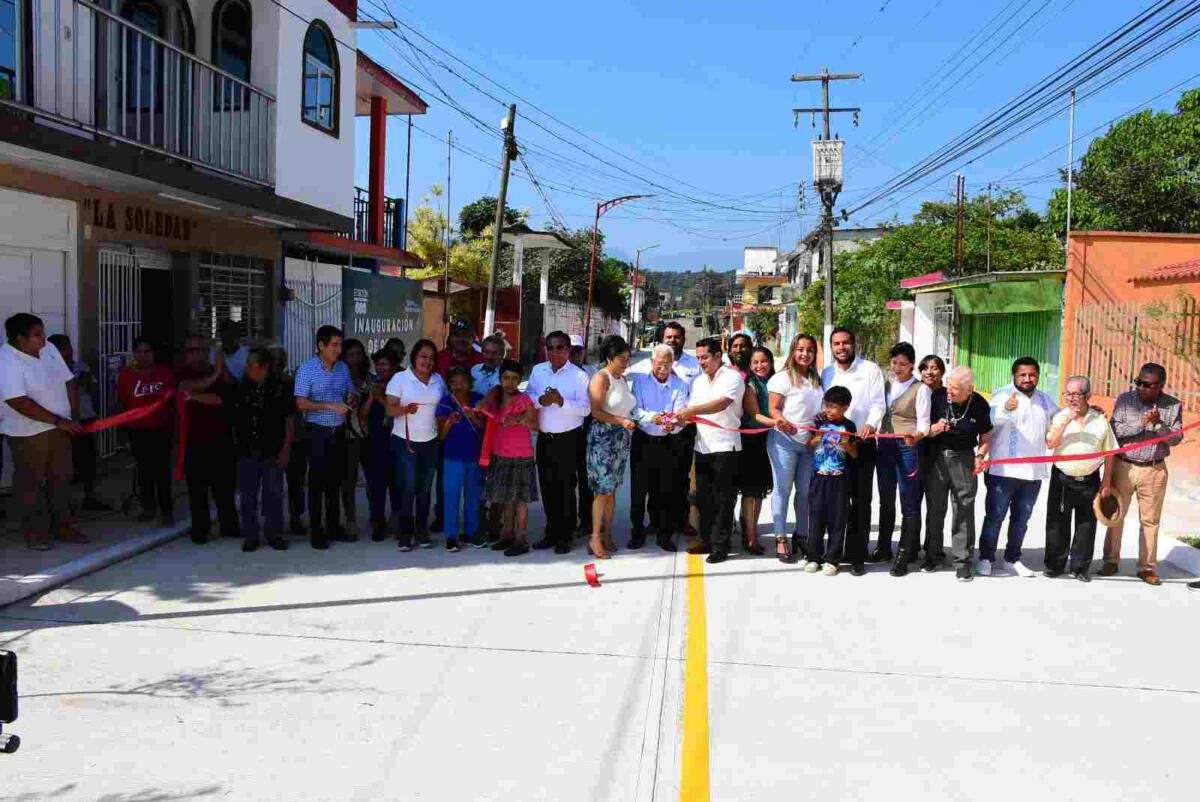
[1146,385]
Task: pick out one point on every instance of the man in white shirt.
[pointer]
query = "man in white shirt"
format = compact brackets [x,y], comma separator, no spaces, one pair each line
[716,397]
[687,368]
[1021,416]
[41,401]
[864,380]
[234,350]
[559,390]
[656,450]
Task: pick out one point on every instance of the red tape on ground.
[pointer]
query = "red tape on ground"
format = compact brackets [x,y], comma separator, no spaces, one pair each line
[589,573]
[1125,449]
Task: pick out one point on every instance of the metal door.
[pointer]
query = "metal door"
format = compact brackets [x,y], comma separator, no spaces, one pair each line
[316,301]
[120,323]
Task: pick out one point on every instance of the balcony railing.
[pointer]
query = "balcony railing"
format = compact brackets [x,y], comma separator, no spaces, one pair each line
[393,219]
[97,71]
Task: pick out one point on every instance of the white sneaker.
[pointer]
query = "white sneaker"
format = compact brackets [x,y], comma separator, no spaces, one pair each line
[1001,568]
[1022,570]
[983,568]
[830,569]
[812,567]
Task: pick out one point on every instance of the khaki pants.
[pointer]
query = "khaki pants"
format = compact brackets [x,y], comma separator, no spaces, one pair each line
[42,469]
[1149,483]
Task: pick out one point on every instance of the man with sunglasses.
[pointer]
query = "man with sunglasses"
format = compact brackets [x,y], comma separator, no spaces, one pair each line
[1144,413]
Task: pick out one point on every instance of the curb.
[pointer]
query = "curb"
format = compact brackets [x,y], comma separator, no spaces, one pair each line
[1183,556]
[14,590]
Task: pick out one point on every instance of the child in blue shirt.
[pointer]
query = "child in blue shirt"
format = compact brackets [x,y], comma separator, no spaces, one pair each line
[833,449]
[460,429]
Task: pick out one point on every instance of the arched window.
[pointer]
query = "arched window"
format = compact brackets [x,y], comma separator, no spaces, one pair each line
[320,94]
[231,37]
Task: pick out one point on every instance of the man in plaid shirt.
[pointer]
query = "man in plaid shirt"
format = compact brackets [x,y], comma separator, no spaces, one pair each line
[1144,413]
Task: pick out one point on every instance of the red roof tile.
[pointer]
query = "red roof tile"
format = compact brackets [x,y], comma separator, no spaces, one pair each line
[922,281]
[1168,274]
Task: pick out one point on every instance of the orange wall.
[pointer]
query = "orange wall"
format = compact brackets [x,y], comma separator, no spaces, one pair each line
[1097,271]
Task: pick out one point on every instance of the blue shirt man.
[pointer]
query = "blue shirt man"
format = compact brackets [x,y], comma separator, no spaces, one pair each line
[323,384]
[655,397]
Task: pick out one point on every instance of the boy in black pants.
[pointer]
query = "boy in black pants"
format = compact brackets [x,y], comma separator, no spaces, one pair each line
[833,449]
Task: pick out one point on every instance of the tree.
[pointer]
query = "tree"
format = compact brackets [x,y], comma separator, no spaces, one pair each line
[1142,175]
[427,234]
[481,213]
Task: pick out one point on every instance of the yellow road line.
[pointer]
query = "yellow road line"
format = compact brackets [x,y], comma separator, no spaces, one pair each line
[693,786]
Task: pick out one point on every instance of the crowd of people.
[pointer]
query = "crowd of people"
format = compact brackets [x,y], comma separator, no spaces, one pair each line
[445,440]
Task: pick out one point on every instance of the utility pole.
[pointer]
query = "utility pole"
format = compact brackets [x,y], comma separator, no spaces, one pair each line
[989,229]
[635,308]
[449,226]
[510,153]
[407,188]
[827,174]
[960,186]
[1070,174]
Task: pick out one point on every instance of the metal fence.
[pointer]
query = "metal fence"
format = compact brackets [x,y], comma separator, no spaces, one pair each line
[316,301]
[97,71]
[1113,340]
[393,219]
[120,313]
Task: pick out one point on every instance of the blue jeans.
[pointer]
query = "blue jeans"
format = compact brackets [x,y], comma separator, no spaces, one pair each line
[1014,497]
[263,474]
[792,464]
[897,465]
[381,478]
[464,490]
[415,465]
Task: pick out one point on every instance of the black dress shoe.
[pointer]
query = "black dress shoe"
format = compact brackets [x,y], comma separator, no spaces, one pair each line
[700,548]
[562,548]
[1194,585]
[501,544]
[965,573]
[544,543]
[717,557]
[899,566]
[881,555]
[1053,573]
[516,550]
[378,532]
[277,543]
[199,538]
[858,569]
[1083,576]
[637,540]
[344,536]
[249,545]
[667,545]
[319,543]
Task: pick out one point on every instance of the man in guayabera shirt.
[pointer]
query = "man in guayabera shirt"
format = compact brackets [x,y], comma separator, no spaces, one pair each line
[1144,413]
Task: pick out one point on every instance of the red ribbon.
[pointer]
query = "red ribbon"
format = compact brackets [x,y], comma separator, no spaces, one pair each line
[669,417]
[590,575]
[181,449]
[1125,449]
[128,416]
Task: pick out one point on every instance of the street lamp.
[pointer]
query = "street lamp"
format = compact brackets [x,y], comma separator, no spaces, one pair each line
[633,292]
[601,208]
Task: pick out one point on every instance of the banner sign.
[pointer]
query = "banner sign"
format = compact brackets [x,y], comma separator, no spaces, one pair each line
[376,308]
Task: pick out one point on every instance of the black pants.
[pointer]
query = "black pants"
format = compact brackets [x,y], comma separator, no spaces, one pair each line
[827,514]
[297,474]
[1070,496]
[152,454]
[681,504]
[582,486]
[858,497]
[212,468]
[951,474]
[716,494]
[654,475]
[558,466]
[83,456]
[326,469]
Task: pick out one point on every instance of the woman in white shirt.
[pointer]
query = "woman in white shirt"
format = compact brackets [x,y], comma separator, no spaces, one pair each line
[795,398]
[608,439]
[898,464]
[412,399]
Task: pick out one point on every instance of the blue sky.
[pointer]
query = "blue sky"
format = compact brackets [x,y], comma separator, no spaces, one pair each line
[699,91]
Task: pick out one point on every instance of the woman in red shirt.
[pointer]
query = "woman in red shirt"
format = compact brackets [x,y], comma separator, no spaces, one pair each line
[140,384]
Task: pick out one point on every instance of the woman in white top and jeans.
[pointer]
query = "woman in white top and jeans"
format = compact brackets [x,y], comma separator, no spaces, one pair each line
[412,399]
[795,398]
[608,439]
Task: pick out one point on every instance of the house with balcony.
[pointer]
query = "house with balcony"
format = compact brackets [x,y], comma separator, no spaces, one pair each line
[161,161]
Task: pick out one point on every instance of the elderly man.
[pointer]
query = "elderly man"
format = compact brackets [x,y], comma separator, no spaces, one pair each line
[716,396]
[1077,429]
[865,382]
[559,390]
[1021,416]
[687,368]
[1145,413]
[657,449]
[40,399]
[958,437]
[486,374]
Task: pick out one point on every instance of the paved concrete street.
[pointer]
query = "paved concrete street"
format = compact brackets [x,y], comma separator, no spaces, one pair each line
[362,673]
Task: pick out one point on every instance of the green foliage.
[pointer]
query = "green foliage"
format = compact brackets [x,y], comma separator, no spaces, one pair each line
[764,323]
[481,213]
[1143,175]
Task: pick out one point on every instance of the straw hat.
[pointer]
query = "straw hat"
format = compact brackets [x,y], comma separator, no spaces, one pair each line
[1109,511]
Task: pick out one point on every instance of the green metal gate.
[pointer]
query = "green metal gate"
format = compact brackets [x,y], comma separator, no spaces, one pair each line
[988,344]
